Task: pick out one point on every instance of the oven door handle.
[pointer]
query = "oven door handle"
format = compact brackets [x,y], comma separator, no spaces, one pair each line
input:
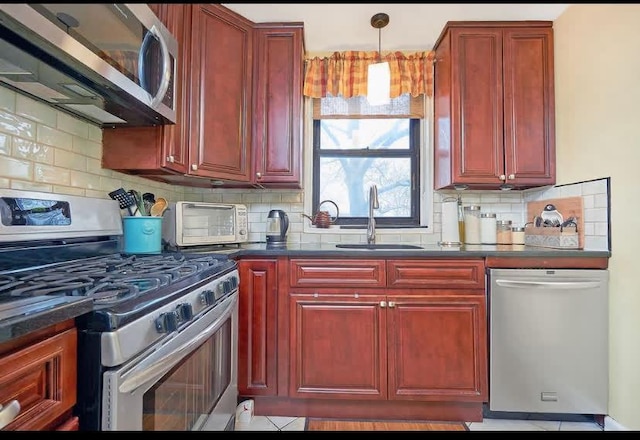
[141,375]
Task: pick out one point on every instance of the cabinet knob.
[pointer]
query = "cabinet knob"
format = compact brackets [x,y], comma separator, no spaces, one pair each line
[170,159]
[503,177]
[194,167]
[383,304]
[392,304]
[259,175]
[512,176]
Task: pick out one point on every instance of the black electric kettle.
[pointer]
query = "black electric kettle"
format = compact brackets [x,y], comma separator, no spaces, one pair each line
[277,226]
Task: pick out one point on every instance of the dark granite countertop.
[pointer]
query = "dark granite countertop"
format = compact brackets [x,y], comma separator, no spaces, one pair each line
[49,314]
[428,251]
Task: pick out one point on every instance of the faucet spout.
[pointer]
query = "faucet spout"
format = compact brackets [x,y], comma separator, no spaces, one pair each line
[373,204]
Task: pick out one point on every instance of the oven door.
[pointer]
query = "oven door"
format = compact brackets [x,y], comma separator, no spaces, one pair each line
[187,381]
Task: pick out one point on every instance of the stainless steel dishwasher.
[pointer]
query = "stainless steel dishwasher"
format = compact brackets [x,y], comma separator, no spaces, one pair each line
[548,340]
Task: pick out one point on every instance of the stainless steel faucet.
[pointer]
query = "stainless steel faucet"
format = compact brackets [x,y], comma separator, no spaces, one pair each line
[373,204]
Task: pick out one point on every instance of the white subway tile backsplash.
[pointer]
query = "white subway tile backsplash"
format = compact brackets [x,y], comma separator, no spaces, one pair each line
[49,174]
[17,125]
[5,144]
[35,110]
[54,137]
[73,125]
[31,150]
[25,185]
[16,168]
[7,100]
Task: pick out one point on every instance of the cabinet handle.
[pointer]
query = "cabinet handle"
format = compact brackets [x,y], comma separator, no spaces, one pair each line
[503,177]
[194,167]
[9,412]
[392,304]
[383,304]
[170,159]
[512,176]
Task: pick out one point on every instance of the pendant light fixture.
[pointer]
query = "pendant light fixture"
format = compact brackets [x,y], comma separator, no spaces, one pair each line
[379,74]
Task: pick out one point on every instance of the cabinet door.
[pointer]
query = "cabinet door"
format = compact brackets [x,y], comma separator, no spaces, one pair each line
[337,345]
[529,129]
[277,106]
[437,347]
[221,71]
[42,378]
[475,95]
[257,323]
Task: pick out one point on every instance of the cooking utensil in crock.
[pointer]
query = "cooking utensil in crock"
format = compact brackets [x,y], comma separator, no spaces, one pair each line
[139,203]
[159,207]
[322,219]
[124,199]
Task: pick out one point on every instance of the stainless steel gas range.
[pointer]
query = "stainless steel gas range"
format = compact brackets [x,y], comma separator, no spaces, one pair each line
[157,349]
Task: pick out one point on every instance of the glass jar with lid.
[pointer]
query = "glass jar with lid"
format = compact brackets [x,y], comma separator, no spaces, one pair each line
[472,224]
[503,231]
[488,228]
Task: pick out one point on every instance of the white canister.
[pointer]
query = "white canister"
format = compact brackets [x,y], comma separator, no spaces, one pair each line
[450,232]
[472,224]
[488,228]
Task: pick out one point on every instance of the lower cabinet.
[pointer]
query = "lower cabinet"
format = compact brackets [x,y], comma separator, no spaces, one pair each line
[404,345]
[320,337]
[38,371]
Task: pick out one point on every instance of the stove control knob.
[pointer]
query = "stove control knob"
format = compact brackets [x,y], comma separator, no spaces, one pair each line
[227,286]
[167,322]
[185,312]
[234,282]
[220,290]
[207,297]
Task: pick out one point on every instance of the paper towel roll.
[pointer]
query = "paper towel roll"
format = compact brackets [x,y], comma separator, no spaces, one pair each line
[450,232]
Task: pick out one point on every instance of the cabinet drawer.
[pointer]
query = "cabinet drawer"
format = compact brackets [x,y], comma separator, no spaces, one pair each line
[448,274]
[337,273]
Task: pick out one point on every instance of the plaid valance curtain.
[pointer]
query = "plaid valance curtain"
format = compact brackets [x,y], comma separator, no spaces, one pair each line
[345,74]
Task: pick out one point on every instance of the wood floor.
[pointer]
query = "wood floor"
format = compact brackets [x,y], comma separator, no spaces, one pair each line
[356,425]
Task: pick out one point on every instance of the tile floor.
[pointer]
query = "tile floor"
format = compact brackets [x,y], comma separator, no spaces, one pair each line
[273,423]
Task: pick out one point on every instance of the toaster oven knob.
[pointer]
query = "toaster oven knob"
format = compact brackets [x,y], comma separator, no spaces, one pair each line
[167,322]
[185,311]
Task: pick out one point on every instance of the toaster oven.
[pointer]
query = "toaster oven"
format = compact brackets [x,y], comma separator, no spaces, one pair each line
[205,223]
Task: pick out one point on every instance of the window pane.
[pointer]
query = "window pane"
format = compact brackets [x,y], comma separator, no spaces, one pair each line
[346,181]
[353,134]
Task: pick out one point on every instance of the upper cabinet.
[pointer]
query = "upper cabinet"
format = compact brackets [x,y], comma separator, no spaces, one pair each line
[239,105]
[494,105]
[277,104]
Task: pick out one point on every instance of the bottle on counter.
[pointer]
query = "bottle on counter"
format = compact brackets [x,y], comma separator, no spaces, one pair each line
[460,220]
[472,224]
[488,227]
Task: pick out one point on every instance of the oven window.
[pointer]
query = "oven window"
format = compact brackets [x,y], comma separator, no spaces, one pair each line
[183,399]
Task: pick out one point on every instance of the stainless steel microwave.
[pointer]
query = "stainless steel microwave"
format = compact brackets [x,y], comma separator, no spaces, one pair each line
[204,223]
[112,64]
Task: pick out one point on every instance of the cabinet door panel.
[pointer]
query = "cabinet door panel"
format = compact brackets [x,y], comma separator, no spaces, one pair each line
[42,377]
[338,346]
[437,348]
[277,110]
[221,66]
[529,105]
[477,129]
[257,321]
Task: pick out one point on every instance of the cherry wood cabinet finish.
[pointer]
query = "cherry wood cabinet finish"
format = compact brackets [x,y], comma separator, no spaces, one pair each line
[277,104]
[41,374]
[72,424]
[426,274]
[257,319]
[494,105]
[212,136]
[338,273]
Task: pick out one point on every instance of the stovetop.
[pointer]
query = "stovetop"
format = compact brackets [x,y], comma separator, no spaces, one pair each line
[122,287]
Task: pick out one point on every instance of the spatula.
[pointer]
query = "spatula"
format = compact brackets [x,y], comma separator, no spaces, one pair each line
[124,199]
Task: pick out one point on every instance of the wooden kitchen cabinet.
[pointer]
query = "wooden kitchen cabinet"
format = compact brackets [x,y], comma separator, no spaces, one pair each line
[212,137]
[494,105]
[277,105]
[257,324]
[420,336]
[39,371]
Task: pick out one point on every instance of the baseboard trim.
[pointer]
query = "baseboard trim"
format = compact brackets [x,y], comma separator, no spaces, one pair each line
[610,424]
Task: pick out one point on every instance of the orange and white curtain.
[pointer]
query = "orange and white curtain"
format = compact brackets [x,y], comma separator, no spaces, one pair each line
[345,73]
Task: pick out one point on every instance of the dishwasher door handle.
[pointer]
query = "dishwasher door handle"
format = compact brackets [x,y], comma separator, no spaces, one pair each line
[565,285]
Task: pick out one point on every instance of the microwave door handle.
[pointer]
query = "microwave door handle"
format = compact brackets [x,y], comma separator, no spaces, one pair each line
[166,65]
[141,375]
[202,205]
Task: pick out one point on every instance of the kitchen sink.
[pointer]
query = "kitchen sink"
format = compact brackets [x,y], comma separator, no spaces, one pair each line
[389,246]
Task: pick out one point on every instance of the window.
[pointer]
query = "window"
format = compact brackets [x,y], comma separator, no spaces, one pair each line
[355,146]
